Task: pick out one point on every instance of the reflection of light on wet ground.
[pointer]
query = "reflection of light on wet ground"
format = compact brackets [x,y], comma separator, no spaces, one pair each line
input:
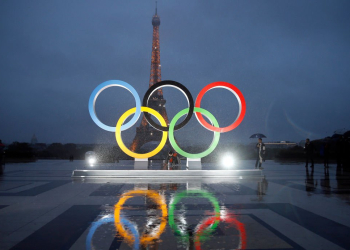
[191,216]
[154,226]
[286,216]
[110,219]
[204,231]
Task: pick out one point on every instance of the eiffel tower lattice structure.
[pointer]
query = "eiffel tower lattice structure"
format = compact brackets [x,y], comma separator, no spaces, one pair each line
[146,133]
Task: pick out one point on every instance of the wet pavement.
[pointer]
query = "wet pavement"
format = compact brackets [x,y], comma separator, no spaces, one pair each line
[290,207]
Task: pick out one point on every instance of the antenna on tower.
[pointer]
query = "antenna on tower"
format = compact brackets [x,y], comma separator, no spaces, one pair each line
[156,7]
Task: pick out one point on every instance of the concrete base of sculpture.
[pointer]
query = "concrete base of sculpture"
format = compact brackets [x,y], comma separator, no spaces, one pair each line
[166,173]
[194,185]
[141,164]
[194,164]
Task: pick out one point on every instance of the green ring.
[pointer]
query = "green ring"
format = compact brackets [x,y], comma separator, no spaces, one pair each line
[186,194]
[213,144]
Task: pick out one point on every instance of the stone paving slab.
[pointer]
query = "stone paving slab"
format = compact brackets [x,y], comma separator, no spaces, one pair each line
[288,207]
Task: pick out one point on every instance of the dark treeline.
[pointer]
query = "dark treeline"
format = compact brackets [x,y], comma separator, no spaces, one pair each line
[339,149]
[25,152]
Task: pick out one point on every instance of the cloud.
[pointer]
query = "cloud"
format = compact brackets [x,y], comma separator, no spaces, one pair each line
[294,54]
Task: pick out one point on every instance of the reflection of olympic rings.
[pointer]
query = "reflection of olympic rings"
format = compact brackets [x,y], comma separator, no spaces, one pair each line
[163,127]
[129,232]
[177,85]
[108,219]
[157,198]
[202,230]
[185,194]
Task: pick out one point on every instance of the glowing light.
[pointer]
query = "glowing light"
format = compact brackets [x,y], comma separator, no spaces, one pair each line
[92,160]
[228,161]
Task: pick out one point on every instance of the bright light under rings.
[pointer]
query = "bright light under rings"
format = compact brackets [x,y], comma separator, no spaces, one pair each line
[92,160]
[228,161]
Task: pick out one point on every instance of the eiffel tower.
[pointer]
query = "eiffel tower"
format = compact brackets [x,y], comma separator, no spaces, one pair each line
[145,132]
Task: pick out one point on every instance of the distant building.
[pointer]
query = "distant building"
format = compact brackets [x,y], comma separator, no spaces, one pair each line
[280,144]
[37,146]
[34,140]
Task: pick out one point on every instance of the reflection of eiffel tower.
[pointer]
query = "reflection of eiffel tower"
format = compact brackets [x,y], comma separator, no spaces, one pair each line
[146,133]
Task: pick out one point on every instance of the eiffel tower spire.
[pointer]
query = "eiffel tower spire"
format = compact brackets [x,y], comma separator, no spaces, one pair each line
[146,133]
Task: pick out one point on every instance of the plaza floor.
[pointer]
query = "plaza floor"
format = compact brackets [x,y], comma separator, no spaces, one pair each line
[289,207]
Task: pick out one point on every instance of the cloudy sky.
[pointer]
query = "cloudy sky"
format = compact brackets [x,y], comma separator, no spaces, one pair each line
[290,59]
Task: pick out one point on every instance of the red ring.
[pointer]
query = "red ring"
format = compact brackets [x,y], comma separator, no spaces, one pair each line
[239,96]
[232,220]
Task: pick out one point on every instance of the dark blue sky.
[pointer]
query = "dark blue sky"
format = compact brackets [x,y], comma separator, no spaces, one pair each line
[290,59]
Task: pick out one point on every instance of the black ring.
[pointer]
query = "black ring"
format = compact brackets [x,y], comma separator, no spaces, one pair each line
[169,83]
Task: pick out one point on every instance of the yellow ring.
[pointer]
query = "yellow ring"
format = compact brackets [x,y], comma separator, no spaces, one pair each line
[155,197]
[118,135]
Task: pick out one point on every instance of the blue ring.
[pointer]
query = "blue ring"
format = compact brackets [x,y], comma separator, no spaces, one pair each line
[108,84]
[108,219]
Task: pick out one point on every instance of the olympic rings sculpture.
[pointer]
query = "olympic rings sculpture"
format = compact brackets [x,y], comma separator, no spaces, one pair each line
[193,108]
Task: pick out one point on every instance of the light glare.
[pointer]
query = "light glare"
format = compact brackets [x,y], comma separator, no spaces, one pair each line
[92,160]
[228,161]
